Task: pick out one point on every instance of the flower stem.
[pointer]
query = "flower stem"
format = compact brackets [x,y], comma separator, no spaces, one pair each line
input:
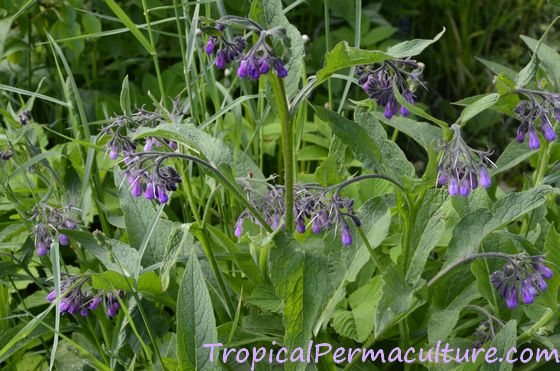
[374,258]
[279,91]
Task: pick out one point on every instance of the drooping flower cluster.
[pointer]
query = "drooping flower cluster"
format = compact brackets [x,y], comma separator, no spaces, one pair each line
[24,117]
[121,126]
[147,175]
[77,299]
[541,106]
[48,220]
[259,60]
[378,83]
[312,207]
[523,276]
[461,167]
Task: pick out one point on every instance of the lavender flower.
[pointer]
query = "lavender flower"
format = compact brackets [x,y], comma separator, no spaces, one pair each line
[154,183]
[461,167]
[226,50]
[378,83]
[523,275]
[312,207]
[540,106]
[259,60]
[78,299]
[48,220]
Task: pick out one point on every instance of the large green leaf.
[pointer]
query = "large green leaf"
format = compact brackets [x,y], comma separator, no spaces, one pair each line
[147,282]
[442,321]
[376,217]
[354,136]
[140,215]
[476,107]
[548,56]
[428,230]
[425,134]
[474,227]
[398,299]
[514,154]
[505,339]
[196,325]
[394,160]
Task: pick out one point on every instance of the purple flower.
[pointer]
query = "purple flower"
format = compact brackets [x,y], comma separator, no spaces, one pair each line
[534,142]
[511,300]
[51,296]
[523,275]
[84,312]
[540,105]
[281,71]
[238,228]
[211,44]
[346,235]
[95,302]
[42,249]
[149,192]
[316,225]
[485,180]
[462,166]
[300,225]
[63,239]
[378,83]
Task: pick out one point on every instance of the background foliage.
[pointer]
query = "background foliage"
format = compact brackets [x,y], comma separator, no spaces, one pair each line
[66,62]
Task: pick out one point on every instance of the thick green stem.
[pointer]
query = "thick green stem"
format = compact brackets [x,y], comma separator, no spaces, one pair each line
[288,147]
[543,164]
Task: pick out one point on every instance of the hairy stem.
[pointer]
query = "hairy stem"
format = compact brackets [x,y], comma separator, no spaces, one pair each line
[288,147]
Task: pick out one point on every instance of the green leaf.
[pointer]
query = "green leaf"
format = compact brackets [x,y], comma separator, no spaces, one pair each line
[179,239]
[394,160]
[428,230]
[478,106]
[417,110]
[398,299]
[125,19]
[411,48]
[548,56]
[299,275]
[270,14]
[114,255]
[147,282]
[264,297]
[125,97]
[442,322]
[474,227]
[514,154]
[505,339]
[345,56]
[196,325]
[498,68]
[354,136]
[139,215]
[422,133]
[377,219]
[359,322]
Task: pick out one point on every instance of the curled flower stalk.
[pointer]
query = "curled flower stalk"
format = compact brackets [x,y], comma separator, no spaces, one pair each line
[461,167]
[48,220]
[378,83]
[537,111]
[79,299]
[313,208]
[259,60]
[522,277]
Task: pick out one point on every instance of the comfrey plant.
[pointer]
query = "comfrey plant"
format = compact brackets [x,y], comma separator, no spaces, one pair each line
[540,106]
[461,167]
[48,220]
[522,276]
[379,83]
[76,298]
[259,60]
[312,207]
[357,238]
